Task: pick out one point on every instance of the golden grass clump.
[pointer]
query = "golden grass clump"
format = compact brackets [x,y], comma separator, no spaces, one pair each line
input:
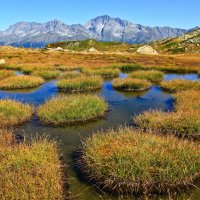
[80,83]
[14,113]
[21,82]
[67,68]
[131,67]
[27,69]
[185,121]
[29,170]
[180,85]
[104,72]
[6,73]
[70,74]
[131,84]
[72,109]
[150,75]
[130,161]
[46,74]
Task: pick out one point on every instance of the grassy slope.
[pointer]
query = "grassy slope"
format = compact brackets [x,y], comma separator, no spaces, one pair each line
[187,43]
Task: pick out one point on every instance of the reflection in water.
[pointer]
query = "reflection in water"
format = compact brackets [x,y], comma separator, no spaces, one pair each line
[193,77]
[123,106]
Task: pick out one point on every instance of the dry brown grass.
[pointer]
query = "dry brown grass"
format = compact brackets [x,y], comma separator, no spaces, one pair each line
[29,170]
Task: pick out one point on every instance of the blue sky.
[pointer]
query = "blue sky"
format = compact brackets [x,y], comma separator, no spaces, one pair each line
[174,13]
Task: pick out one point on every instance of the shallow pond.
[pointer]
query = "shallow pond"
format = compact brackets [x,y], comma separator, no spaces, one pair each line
[123,106]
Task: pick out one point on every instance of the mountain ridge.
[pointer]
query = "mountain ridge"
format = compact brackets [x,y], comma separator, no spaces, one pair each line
[102,28]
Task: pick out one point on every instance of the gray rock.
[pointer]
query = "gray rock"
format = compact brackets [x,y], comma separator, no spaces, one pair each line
[2,62]
[148,50]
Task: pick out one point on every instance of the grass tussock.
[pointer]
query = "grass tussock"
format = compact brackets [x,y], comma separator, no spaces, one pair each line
[70,74]
[130,161]
[46,74]
[27,69]
[80,83]
[150,75]
[180,85]
[72,109]
[29,170]
[67,68]
[6,73]
[106,72]
[13,113]
[185,121]
[132,67]
[20,82]
[131,84]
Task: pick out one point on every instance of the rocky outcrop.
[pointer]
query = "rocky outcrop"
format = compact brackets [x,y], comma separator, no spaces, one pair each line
[148,50]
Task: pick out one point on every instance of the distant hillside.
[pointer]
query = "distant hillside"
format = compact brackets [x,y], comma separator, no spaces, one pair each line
[102,28]
[187,43]
[92,46]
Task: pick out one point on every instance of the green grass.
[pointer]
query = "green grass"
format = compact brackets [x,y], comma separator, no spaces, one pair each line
[80,84]
[130,68]
[27,69]
[29,170]
[131,84]
[184,122]
[180,85]
[104,72]
[14,113]
[150,75]
[69,74]
[6,73]
[20,82]
[72,109]
[46,74]
[67,68]
[130,161]
[10,67]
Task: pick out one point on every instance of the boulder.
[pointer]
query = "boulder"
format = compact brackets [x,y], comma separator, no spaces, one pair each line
[92,49]
[147,50]
[58,49]
[2,61]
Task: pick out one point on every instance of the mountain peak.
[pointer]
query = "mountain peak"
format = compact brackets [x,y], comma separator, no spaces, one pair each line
[102,28]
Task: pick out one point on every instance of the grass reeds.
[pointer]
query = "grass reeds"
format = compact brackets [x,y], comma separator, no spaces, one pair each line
[104,72]
[27,69]
[64,110]
[80,84]
[130,161]
[13,113]
[6,73]
[131,84]
[180,85]
[184,122]
[130,68]
[20,82]
[67,68]
[31,170]
[70,74]
[150,75]
[46,74]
